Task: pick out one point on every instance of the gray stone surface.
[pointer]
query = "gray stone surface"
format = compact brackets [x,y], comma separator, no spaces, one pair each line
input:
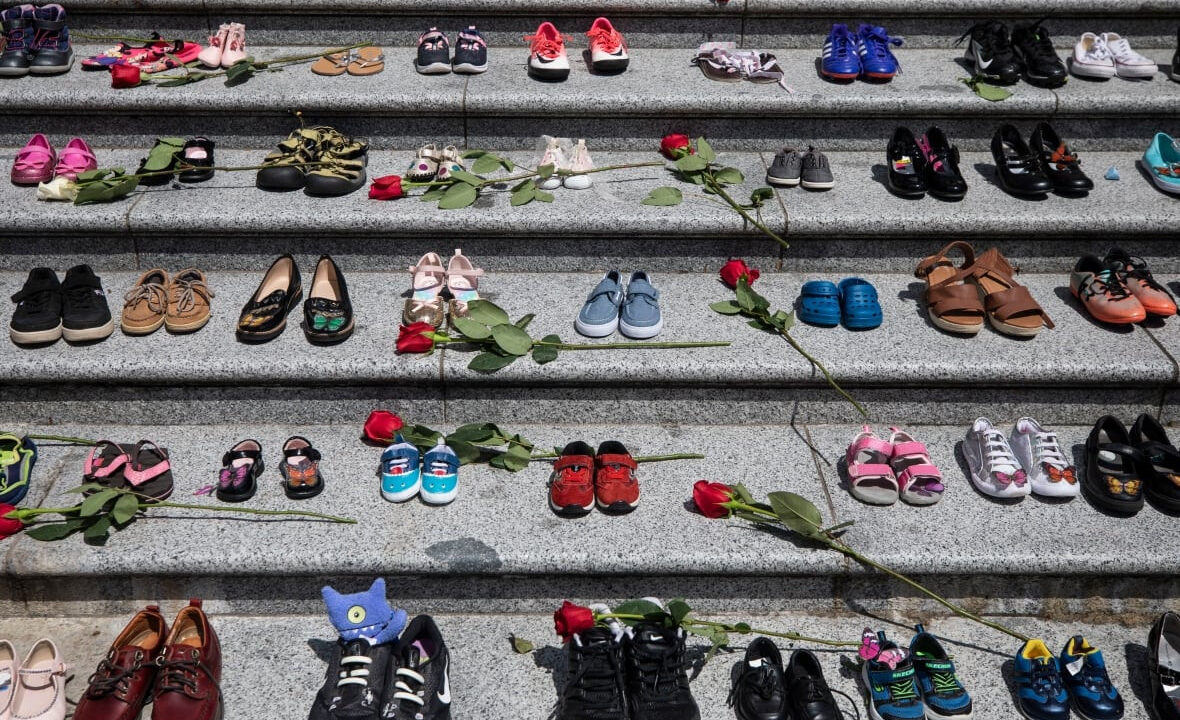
[60,226]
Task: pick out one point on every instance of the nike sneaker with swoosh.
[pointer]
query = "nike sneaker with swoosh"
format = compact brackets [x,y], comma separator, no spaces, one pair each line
[990,52]
[418,680]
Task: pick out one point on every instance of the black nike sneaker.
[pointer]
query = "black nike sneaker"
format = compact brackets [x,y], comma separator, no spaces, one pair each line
[594,677]
[657,674]
[1042,66]
[353,686]
[418,680]
[85,315]
[990,52]
[37,318]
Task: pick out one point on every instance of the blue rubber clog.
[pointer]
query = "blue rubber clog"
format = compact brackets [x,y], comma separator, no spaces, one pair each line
[858,304]
[819,303]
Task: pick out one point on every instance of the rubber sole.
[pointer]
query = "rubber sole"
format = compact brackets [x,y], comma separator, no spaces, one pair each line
[15,72]
[401,495]
[641,333]
[439,498]
[437,68]
[596,331]
[340,335]
[782,182]
[617,508]
[469,69]
[955,328]
[35,337]
[873,496]
[1170,188]
[186,327]
[1021,193]
[1136,74]
[812,185]
[983,488]
[1014,330]
[578,182]
[145,330]
[614,65]
[1088,71]
[88,334]
[839,76]
[549,74]
[571,510]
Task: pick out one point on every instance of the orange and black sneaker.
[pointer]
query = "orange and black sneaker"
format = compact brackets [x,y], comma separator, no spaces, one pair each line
[571,487]
[615,484]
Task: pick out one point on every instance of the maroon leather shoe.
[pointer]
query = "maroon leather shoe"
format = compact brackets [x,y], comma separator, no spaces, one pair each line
[125,678]
[189,684]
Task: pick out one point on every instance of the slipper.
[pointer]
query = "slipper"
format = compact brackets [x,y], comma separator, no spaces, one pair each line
[332,65]
[148,472]
[368,61]
[819,304]
[17,456]
[124,53]
[858,304]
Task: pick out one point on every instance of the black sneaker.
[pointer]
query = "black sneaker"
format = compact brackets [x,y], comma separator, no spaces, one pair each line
[594,677]
[757,689]
[85,314]
[418,680]
[434,53]
[657,674]
[355,682]
[37,318]
[471,52]
[51,52]
[990,52]
[1042,66]
[18,37]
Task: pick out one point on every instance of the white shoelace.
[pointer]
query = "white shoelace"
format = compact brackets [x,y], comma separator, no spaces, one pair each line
[999,454]
[1122,52]
[749,64]
[354,676]
[404,691]
[1097,52]
[1047,450]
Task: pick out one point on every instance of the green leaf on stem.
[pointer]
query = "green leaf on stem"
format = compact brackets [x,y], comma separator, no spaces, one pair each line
[718,637]
[648,609]
[521,646]
[92,175]
[745,296]
[466,177]
[180,80]
[512,339]
[525,195]
[125,508]
[85,487]
[517,458]
[544,354]
[420,435]
[459,195]
[507,164]
[467,452]
[470,328]
[94,503]
[545,171]
[760,195]
[433,194]
[985,90]
[467,154]
[239,72]
[729,176]
[691,163]
[705,151]
[486,312]
[759,323]
[55,531]
[743,493]
[490,362]
[726,307]
[551,339]
[98,531]
[743,628]
[486,164]
[160,156]
[664,196]
[524,321]
[797,513]
[679,610]
[472,432]
[543,196]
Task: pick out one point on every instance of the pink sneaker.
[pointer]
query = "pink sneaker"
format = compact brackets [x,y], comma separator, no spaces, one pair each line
[76,157]
[34,163]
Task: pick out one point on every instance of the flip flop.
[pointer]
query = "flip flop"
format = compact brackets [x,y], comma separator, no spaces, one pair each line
[148,472]
[368,61]
[332,65]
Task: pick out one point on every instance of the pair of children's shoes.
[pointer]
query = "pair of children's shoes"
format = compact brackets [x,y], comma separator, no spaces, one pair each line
[405,473]
[227,47]
[881,471]
[562,155]
[431,163]
[853,302]
[460,279]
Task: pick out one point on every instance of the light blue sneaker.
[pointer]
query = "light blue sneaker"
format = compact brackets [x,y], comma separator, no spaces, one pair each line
[600,315]
[401,472]
[640,317]
[440,475]
[1161,160]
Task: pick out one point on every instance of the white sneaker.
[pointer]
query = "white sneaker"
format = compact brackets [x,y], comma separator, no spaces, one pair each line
[1091,57]
[995,470]
[1039,451]
[1127,62]
[547,58]
[579,161]
[555,156]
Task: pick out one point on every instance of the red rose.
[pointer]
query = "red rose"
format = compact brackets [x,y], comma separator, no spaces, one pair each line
[382,426]
[571,619]
[412,338]
[710,498]
[125,76]
[9,526]
[733,270]
[387,188]
[676,146]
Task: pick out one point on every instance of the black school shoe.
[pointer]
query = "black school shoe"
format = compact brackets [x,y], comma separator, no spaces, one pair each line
[905,162]
[1034,48]
[85,315]
[594,677]
[1163,664]
[196,160]
[418,678]
[327,313]
[810,696]
[757,689]
[1112,481]
[940,167]
[37,318]
[265,314]
[355,682]
[1060,165]
[657,674]
[1018,169]
[1160,469]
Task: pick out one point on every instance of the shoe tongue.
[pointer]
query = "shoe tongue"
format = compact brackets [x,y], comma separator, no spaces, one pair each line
[595,636]
[49,12]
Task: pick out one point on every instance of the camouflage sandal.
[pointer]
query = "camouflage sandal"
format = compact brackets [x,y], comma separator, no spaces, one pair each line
[345,169]
[285,168]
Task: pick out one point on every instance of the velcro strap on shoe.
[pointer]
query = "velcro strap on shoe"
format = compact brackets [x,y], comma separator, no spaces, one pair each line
[613,459]
[913,447]
[869,470]
[573,461]
[49,24]
[308,452]
[914,471]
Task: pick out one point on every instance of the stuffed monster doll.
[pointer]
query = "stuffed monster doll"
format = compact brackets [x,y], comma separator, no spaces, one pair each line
[365,614]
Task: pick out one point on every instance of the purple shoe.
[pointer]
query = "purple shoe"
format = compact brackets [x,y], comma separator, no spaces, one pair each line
[35,162]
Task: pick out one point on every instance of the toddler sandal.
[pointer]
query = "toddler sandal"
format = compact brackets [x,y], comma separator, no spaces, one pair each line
[401,471]
[918,480]
[17,456]
[367,61]
[462,283]
[870,478]
[148,471]
[425,304]
[1010,308]
[859,306]
[332,65]
[819,303]
[240,468]
[104,466]
[952,305]
[301,469]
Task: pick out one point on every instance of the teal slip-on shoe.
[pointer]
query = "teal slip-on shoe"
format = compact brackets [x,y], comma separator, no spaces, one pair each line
[1161,160]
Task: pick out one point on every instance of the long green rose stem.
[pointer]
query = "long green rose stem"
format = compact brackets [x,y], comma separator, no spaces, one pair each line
[733,629]
[597,346]
[827,375]
[64,439]
[266,64]
[844,548]
[720,192]
[533,173]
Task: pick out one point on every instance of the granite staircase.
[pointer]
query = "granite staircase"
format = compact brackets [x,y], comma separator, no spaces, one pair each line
[496,562]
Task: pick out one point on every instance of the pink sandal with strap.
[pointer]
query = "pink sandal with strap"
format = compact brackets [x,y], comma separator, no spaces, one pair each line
[919,481]
[102,464]
[149,471]
[870,477]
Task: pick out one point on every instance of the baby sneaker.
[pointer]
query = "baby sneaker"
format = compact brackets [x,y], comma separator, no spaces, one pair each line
[211,55]
[425,304]
[1039,452]
[555,156]
[639,316]
[579,162]
[471,53]
[425,164]
[75,158]
[235,45]
[440,475]
[401,472]
[462,283]
[450,162]
[919,482]
[434,53]
[599,316]
[995,471]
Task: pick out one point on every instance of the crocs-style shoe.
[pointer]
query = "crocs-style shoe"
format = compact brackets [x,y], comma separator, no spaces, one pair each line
[819,303]
[440,475]
[17,456]
[34,162]
[75,158]
[859,307]
[919,482]
[401,471]
[870,477]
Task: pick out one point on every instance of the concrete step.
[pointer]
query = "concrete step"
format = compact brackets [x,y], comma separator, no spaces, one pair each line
[274,666]
[661,92]
[457,557]
[906,369]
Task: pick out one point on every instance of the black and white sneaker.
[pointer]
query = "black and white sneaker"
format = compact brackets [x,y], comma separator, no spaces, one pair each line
[434,53]
[594,676]
[1034,49]
[657,674]
[990,52]
[418,680]
[37,318]
[85,315]
[471,52]
[353,686]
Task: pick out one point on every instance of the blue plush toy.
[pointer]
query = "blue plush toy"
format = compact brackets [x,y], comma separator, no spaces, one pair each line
[365,614]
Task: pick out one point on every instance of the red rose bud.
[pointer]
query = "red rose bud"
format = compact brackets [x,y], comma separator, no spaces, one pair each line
[125,76]
[710,498]
[676,146]
[571,619]
[9,526]
[734,270]
[412,338]
[381,426]
[387,188]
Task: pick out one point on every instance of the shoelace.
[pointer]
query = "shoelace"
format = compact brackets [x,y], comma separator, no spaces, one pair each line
[1108,283]
[35,301]
[615,472]
[84,296]
[843,45]
[1045,680]
[181,675]
[110,677]
[748,63]
[187,291]
[1140,273]
[1048,450]
[1098,50]
[608,40]
[813,160]
[878,44]
[758,680]
[659,676]
[997,450]
[1042,46]
[944,682]
[903,689]
[1122,52]
[596,682]
[546,46]
[354,665]
[153,293]
[571,474]
[406,693]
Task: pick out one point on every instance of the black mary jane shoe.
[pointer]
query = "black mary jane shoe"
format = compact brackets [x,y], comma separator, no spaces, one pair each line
[301,469]
[264,316]
[1161,467]
[196,160]
[1112,481]
[940,169]
[240,468]
[161,162]
[1059,164]
[905,161]
[1018,169]
[327,313]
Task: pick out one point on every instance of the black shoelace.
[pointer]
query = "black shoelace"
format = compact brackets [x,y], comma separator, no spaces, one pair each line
[1140,272]
[83,297]
[36,301]
[1042,46]
[180,675]
[1046,681]
[760,681]
[660,676]
[1109,283]
[109,677]
[995,42]
[596,681]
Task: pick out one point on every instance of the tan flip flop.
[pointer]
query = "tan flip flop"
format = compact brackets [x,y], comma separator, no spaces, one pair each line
[332,65]
[368,61]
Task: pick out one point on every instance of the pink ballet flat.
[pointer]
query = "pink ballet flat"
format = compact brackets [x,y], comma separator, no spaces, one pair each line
[75,158]
[34,163]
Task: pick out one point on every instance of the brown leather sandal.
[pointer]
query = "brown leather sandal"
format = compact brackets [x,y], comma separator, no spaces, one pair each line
[952,304]
[1010,307]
